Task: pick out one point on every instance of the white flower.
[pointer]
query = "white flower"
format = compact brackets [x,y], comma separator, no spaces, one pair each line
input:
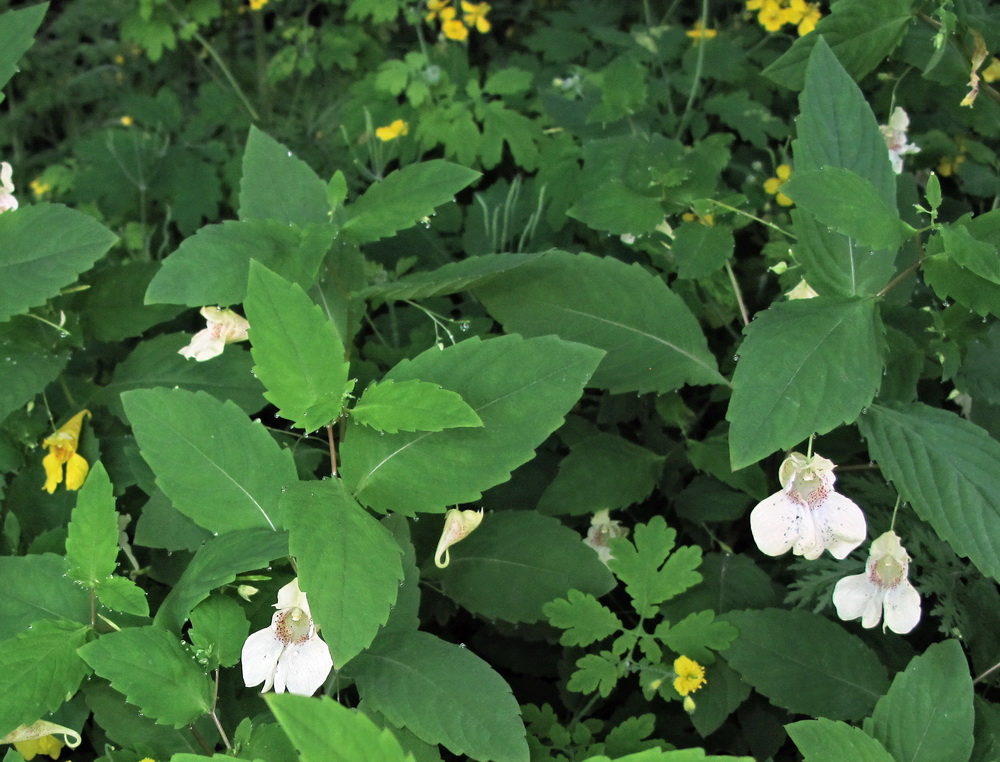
[895,138]
[603,529]
[457,526]
[288,655]
[224,327]
[7,201]
[883,587]
[807,516]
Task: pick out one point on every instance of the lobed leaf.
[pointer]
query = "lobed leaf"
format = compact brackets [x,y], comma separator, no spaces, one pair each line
[584,619]
[695,634]
[596,673]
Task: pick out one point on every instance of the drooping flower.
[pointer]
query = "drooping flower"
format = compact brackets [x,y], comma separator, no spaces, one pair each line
[40,738]
[475,16]
[392,131]
[224,327]
[288,655]
[62,451]
[773,184]
[7,201]
[895,138]
[457,526]
[883,587]
[802,290]
[602,530]
[807,516]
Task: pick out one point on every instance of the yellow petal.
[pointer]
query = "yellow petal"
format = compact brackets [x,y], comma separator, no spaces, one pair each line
[76,471]
[53,472]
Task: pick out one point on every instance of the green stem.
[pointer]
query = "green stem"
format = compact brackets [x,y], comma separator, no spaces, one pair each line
[699,65]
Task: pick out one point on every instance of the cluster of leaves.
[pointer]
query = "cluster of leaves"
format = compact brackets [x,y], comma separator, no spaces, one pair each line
[537,300]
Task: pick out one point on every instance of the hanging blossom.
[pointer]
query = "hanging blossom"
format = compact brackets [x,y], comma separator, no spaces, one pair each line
[602,530]
[224,327]
[40,738]
[288,655]
[895,138]
[7,201]
[62,451]
[457,526]
[807,516]
[883,587]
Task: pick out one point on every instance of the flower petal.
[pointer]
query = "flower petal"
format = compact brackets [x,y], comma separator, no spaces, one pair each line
[841,523]
[76,471]
[259,658]
[776,523]
[204,346]
[53,472]
[303,668]
[902,608]
[855,597]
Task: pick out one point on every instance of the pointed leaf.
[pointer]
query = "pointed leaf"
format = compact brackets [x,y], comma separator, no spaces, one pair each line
[348,564]
[948,469]
[521,389]
[216,466]
[17,34]
[653,342]
[412,406]
[450,278]
[38,587]
[805,367]
[92,542]
[122,594]
[31,353]
[617,209]
[444,694]
[821,740]
[218,629]
[298,355]
[277,185]
[977,256]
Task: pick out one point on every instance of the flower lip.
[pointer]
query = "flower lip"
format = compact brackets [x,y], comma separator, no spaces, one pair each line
[883,589]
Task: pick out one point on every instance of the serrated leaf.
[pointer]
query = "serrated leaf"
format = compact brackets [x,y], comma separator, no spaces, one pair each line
[849,204]
[45,248]
[405,197]
[298,355]
[861,33]
[38,670]
[617,209]
[153,671]
[700,250]
[821,740]
[977,256]
[212,266]
[325,731]
[516,562]
[412,406]
[348,564]
[122,594]
[805,367]
[695,634]
[776,652]
[584,618]
[218,629]
[653,572]
[521,389]
[652,340]
[216,466]
[601,472]
[596,673]
[112,308]
[17,34]
[277,185]
[92,539]
[444,694]
[927,714]
[948,469]
[952,281]
[37,587]
[25,349]
[216,564]
[450,278]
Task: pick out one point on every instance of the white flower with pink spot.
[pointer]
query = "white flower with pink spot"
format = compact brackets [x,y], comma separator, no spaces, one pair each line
[224,327]
[7,201]
[883,588]
[288,655]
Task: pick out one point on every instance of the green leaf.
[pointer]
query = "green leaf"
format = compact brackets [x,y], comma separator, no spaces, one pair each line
[444,694]
[617,209]
[122,594]
[510,81]
[412,406]
[952,281]
[45,248]
[278,186]
[777,653]
[653,572]
[325,731]
[516,562]
[216,466]
[17,34]
[700,250]
[112,308]
[39,669]
[521,389]
[161,525]
[503,125]
[695,634]
[404,198]
[348,563]
[823,740]
[218,629]
[37,587]
[216,564]
[596,673]
[652,340]
[948,469]
[31,353]
[583,617]
[927,715]
[450,278]
[849,204]
[806,366]
[977,256]
[92,542]
[601,472]
[151,668]
[298,355]
[212,266]
[861,33]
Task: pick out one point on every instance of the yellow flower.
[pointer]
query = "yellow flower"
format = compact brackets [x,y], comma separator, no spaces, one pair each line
[451,27]
[772,184]
[708,220]
[690,675]
[794,11]
[40,188]
[810,19]
[457,526]
[755,5]
[475,16]
[45,745]
[40,738]
[771,16]
[150,759]
[62,449]
[434,8]
[119,59]
[698,32]
[992,72]
[392,131]
[127,121]
[256,5]
[949,165]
